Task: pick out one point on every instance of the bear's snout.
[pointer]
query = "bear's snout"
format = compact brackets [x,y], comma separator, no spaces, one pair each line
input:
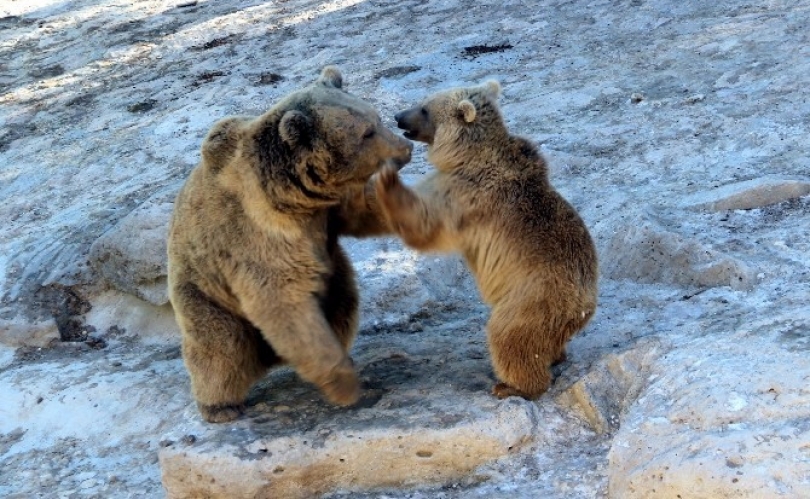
[400,119]
[417,124]
[408,120]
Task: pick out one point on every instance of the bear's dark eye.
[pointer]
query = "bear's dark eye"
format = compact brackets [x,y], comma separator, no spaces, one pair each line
[369,133]
[424,112]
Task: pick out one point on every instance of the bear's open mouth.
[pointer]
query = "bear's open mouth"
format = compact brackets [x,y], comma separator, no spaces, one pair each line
[409,134]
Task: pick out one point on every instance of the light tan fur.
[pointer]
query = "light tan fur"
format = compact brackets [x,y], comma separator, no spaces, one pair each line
[256,275]
[490,199]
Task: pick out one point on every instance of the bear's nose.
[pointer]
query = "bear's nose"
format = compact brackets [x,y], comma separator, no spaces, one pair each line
[400,118]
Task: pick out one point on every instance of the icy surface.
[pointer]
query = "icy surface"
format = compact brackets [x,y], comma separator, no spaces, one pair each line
[653,113]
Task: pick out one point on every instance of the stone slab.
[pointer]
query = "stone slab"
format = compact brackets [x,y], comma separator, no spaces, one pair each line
[398,443]
[644,251]
[722,418]
[748,194]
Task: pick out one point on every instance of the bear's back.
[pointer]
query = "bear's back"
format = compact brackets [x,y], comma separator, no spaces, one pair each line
[514,223]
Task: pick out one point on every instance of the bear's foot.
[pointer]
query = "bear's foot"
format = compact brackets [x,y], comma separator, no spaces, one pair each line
[221,413]
[343,386]
[502,390]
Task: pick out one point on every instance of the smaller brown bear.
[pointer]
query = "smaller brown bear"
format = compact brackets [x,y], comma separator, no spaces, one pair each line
[491,199]
[257,277]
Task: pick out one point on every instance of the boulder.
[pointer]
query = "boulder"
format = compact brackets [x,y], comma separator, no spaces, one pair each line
[644,251]
[748,194]
[722,417]
[132,255]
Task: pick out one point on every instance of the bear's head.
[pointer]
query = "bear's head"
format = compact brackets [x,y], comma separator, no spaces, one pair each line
[310,148]
[465,115]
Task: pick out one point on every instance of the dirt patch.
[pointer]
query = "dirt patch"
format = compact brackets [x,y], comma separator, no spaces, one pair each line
[142,107]
[216,42]
[67,307]
[269,78]
[81,100]
[207,77]
[397,71]
[126,27]
[777,212]
[12,132]
[474,51]
[49,71]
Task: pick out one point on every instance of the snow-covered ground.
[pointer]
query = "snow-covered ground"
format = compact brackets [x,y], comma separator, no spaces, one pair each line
[678,129]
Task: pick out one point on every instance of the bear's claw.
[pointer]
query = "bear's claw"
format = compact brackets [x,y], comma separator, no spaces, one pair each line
[221,413]
[387,178]
[343,387]
[502,391]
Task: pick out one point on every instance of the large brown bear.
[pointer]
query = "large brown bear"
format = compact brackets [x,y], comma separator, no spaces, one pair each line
[491,200]
[256,275]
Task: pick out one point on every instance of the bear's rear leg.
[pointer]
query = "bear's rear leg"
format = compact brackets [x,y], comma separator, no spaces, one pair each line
[522,353]
[224,354]
[341,302]
[520,365]
[503,390]
[529,389]
[524,344]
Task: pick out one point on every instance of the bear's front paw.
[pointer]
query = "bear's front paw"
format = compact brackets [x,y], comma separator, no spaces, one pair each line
[221,413]
[502,391]
[343,386]
[387,180]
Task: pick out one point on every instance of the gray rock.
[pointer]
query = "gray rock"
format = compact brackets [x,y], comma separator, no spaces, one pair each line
[18,333]
[394,444]
[749,194]
[132,255]
[645,252]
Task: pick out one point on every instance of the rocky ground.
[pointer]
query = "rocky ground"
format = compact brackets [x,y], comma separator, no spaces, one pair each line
[678,129]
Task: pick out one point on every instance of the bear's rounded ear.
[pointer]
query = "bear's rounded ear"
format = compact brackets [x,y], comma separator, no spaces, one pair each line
[295,128]
[222,139]
[493,88]
[331,77]
[466,111]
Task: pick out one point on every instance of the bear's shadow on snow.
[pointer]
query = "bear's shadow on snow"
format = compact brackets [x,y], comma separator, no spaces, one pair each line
[400,371]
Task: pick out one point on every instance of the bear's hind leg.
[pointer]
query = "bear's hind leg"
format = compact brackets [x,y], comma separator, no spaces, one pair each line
[523,344]
[222,352]
[341,302]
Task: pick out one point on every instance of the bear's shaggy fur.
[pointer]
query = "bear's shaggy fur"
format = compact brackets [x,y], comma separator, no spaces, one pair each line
[256,275]
[490,199]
